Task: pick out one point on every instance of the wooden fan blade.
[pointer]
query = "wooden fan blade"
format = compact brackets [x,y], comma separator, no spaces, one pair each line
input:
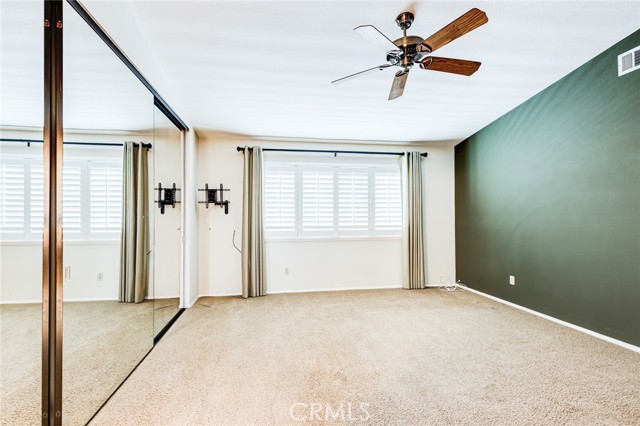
[399,81]
[455,66]
[464,24]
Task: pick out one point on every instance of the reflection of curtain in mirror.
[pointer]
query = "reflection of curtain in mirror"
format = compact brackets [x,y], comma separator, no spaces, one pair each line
[134,242]
[253,256]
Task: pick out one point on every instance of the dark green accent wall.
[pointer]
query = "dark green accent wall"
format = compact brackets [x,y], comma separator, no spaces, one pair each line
[550,193]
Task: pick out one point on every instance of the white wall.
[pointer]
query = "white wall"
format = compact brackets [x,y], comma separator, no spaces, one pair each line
[167,229]
[190,220]
[318,265]
[21,271]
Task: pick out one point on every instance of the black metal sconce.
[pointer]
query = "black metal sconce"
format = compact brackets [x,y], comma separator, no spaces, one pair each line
[211,197]
[166,197]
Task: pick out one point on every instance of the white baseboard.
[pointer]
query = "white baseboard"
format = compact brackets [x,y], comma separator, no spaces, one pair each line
[91,299]
[320,289]
[219,295]
[86,299]
[558,321]
[21,302]
[315,290]
[79,299]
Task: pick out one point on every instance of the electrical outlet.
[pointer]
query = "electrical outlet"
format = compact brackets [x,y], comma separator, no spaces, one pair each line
[67,273]
[100,276]
[512,279]
[286,271]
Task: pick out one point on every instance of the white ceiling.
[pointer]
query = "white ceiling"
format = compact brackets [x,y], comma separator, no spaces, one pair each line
[263,68]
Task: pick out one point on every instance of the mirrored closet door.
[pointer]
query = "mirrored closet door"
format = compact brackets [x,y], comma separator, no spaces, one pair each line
[114,289]
[107,230]
[167,174]
[21,211]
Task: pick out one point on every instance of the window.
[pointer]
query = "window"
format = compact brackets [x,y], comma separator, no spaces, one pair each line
[388,200]
[317,200]
[353,200]
[338,201]
[12,196]
[105,198]
[91,199]
[280,200]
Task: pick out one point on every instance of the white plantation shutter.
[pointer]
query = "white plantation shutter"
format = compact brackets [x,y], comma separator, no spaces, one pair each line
[12,197]
[36,201]
[91,199]
[307,200]
[280,200]
[388,200]
[105,198]
[317,200]
[72,200]
[353,200]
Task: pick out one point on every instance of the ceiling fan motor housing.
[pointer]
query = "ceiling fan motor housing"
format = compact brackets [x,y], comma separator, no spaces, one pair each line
[408,52]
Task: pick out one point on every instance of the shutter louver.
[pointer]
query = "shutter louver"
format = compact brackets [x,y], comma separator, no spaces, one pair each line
[388,201]
[36,206]
[353,200]
[12,198]
[105,198]
[280,200]
[72,200]
[317,200]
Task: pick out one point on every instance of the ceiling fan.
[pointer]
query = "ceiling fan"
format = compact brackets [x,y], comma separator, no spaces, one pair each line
[408,51]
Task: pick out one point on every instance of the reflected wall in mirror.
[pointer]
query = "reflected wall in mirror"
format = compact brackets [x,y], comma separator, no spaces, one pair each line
[106,221]
[167,140]
[21,211]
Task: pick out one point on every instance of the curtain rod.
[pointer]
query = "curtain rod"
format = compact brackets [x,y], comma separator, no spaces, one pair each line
[30,141]
[335,152]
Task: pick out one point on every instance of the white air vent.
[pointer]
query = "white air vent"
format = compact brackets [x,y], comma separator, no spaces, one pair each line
[629,61]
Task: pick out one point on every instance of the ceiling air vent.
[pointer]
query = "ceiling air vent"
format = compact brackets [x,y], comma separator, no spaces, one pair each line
[629,61]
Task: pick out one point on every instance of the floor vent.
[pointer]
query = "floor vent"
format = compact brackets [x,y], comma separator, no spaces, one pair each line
[629,61]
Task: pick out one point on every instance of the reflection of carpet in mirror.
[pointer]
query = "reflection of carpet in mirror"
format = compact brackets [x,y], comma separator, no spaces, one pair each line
[103,342]
[163,311]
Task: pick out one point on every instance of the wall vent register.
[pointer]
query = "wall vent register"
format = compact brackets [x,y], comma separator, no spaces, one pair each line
[629,61]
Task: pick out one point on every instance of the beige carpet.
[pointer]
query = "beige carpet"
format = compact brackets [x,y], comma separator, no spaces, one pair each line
[163,311]
[103,342]
[395,357]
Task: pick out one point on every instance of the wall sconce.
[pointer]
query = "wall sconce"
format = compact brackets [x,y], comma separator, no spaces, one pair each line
[167,197]
[211,197]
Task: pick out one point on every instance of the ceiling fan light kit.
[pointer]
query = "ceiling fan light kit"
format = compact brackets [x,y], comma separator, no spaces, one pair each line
[407,51]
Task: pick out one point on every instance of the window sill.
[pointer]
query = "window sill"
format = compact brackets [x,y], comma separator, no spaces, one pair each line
[65,243]
[330,239]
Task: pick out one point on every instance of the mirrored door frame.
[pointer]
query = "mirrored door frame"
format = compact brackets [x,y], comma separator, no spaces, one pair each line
[52,261]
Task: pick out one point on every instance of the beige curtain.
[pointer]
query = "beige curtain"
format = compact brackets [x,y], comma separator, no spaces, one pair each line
[253,255]
[414,253]
[134,241]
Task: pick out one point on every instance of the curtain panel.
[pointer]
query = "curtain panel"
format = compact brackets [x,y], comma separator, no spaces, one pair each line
[134,241]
